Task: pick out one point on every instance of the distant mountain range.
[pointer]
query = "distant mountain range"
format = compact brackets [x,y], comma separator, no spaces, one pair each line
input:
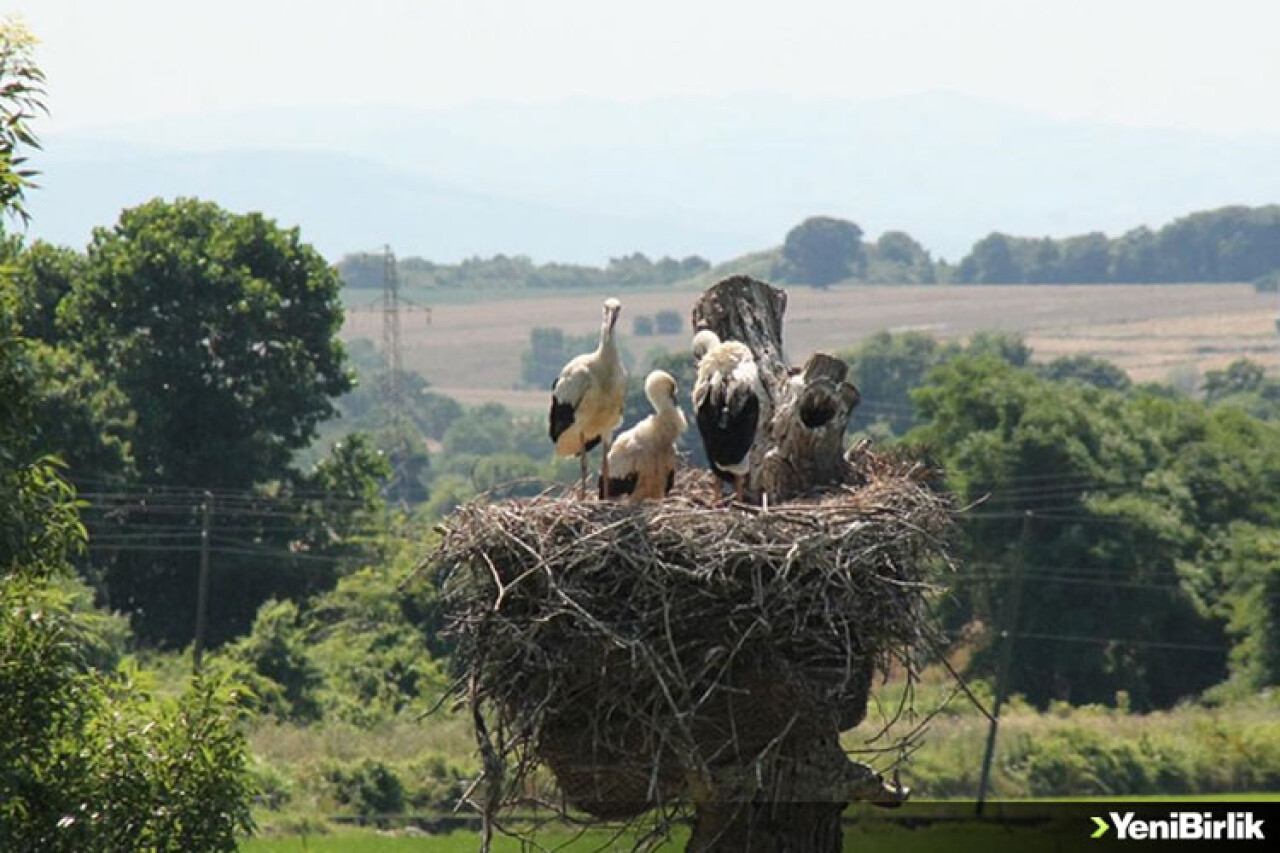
[585,180]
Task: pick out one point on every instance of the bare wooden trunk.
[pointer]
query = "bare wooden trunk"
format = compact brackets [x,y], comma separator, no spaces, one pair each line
[800,442]
[796,805]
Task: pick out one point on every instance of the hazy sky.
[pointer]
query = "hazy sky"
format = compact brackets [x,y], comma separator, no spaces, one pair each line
[1212,66]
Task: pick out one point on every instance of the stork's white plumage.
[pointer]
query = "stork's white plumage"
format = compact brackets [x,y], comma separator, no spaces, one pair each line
[642,461]
[587,398]
[728,397]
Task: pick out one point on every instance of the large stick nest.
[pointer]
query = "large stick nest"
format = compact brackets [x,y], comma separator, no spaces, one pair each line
[639,651]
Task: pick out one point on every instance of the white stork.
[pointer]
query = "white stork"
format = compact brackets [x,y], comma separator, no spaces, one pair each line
[587,398]
[642,462]
[727,399]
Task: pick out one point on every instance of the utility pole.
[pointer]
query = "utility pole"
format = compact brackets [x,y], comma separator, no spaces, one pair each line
[1008,636]
[391,335]
[393,392]
[202,585]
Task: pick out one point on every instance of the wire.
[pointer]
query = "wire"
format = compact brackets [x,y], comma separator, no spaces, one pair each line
[1155,644]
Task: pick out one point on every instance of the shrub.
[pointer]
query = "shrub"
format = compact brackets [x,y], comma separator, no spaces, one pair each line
[668,322]
[369,788]
[90,761]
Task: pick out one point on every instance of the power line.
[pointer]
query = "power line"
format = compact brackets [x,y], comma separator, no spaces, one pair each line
[1131,641]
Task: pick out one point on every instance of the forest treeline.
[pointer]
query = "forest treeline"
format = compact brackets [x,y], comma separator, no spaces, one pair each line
[367,270]
[1230,244]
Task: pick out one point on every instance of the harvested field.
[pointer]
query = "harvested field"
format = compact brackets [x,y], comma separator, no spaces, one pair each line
[472,351]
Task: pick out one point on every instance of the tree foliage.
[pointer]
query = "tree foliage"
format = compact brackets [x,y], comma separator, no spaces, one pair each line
[22,96]
[822,250]
[365,270]
[88,760]
[1114,505]
[220,329]
[1228,244]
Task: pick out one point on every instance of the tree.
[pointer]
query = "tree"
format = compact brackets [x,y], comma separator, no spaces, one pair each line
[22,97]
[1087,369]
[668,322]
[221,330]
[88,761]
[1242,376]
[822,250]
[1103,501]
[992,261]
[886,368]
[43,275]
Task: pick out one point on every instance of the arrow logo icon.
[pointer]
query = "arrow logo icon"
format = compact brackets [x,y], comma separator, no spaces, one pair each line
[1102,828]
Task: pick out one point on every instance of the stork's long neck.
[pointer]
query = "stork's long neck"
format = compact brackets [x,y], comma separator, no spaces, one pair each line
[667,416]
[608,345]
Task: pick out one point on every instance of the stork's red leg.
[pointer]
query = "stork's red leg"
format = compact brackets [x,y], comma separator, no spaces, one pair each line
[604,469]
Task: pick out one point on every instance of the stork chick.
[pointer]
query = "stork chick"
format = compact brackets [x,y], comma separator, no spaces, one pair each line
[642,462]
[587,398]
[727,399]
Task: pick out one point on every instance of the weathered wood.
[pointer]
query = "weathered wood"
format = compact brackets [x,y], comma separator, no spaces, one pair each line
[800,441]
[795,804]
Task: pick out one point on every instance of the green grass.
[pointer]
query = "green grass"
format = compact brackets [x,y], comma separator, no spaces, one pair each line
[370,841]
[877,833]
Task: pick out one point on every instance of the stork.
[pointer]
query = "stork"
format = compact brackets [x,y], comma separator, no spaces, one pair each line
[587,398]
[727,399]
[642,462]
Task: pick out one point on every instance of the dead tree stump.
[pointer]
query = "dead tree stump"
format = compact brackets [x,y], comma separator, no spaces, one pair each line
[799,450]
[799,445]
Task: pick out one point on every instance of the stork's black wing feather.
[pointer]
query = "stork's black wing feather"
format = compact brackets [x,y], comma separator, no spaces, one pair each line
[618,486]
[727,424]
[561,418]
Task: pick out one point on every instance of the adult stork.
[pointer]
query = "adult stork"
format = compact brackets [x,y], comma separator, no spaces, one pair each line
[587,398]
[727,399]
[642,461]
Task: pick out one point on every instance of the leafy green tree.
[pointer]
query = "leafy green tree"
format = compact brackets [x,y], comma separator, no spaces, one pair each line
[549,350]
[87,760]
[218,331]
[992,261]
[886,367]
[43,275]
[1085,259]
[1087,369]
[668,322]
[822,250]
[276,664]
[1102,500]
[22,94]
[1006,346]
[898,258]
[221,330]
[1242,376]
[1248,576]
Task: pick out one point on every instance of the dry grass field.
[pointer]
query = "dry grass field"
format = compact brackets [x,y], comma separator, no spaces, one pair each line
[1156,332]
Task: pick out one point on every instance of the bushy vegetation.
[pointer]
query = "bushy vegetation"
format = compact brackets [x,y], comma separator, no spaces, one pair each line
[365,270]
[1228,244]
[1095,751]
